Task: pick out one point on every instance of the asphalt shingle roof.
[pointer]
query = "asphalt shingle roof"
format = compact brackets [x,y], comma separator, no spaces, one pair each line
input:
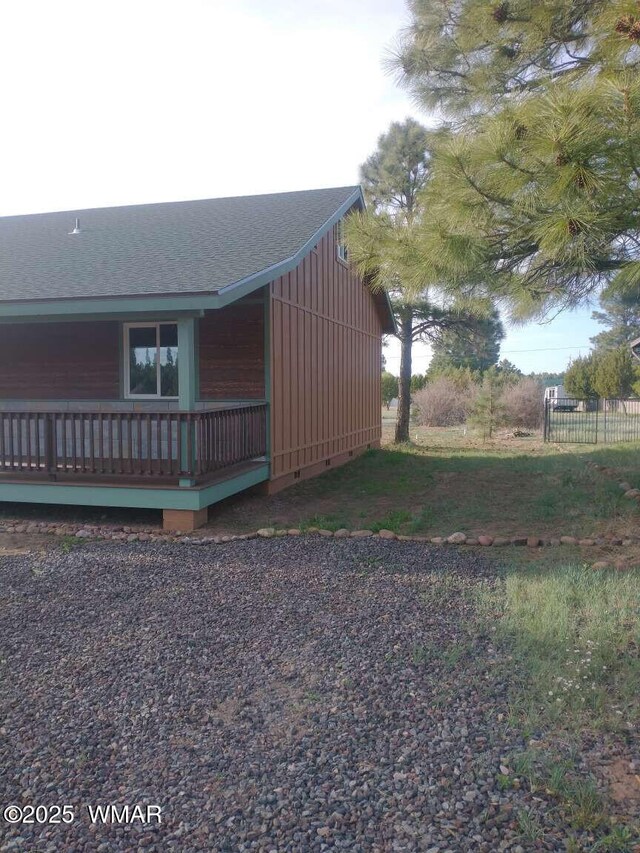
[171,248]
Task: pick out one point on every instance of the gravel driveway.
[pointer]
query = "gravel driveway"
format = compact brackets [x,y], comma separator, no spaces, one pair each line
[285,695]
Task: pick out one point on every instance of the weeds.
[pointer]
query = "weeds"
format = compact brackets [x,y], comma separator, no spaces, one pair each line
[392,521]
[584,805]
[522,765]
[529,826]
[621,839]
[577,795]
[68,543]
[323,522]
[454,654]
[504,782]
[422,654]
[575,635]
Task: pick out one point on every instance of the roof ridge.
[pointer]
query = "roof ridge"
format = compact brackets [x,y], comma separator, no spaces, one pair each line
[80,210]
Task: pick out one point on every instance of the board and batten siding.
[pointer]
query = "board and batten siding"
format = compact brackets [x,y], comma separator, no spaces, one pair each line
[326,339]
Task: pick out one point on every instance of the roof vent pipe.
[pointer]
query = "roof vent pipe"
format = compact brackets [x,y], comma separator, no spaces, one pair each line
[76,227]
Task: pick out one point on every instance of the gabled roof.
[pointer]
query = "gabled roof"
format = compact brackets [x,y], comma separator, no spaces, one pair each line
[212,247]
[176,247]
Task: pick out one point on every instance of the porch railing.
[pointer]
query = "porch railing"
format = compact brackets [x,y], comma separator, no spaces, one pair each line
[178,445]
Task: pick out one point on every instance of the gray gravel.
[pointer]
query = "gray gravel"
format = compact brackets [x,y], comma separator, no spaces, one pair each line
[295,694]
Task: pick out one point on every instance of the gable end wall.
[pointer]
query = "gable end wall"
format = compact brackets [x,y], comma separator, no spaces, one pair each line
[325,367]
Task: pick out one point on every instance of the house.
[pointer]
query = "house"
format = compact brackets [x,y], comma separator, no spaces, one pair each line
[170,355]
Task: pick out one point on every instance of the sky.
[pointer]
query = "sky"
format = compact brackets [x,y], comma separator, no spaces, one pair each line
[108,103]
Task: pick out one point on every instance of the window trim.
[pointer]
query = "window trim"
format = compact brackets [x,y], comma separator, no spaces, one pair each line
[127,364]
[340,243]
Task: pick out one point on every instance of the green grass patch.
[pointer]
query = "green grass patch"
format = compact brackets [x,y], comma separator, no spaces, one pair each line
[575,639]
[621,839]
[69,542]
[545,773]
[395,520]
[446,481]
[323,522]
[426,490]
[529,826]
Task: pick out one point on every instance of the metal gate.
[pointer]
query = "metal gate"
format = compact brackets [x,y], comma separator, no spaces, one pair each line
[603,421]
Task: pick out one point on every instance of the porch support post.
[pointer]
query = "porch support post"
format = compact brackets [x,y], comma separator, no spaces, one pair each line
[187,387]
[187,364]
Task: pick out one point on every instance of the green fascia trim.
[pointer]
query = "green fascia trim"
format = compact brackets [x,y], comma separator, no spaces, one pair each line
[394,322]
[125,306]
[247,285]
[148,315]
[124,496]
[217,492]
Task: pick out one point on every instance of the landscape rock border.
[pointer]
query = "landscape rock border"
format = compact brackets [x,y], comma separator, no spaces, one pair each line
[627,489]
[89,532]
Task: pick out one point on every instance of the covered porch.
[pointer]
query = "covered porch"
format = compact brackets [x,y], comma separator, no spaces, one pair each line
[150,411]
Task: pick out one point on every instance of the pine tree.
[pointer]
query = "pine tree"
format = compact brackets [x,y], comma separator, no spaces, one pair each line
[476,347]
[487,413]
[389,384]
[579,378]
[615,373]
[546,379]
[533,193]
[381,243]
[508,372]
[620,313]
[418,382]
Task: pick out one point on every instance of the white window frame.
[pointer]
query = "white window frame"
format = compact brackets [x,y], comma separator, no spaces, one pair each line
[127,364]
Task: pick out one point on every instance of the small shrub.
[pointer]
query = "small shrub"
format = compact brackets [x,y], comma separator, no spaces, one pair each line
[522,404]
[443,403]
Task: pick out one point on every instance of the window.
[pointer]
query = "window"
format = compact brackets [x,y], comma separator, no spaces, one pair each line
[152,360]
[341,243]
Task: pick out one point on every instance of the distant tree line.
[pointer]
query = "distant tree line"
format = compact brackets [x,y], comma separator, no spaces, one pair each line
[610,369]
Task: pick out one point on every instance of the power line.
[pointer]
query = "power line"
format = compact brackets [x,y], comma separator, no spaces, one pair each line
[511,351]
[543,349]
